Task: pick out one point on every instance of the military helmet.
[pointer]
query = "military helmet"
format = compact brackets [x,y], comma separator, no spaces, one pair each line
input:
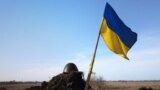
[70,67]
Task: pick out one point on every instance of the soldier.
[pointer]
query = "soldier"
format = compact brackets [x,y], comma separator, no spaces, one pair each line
[70,79]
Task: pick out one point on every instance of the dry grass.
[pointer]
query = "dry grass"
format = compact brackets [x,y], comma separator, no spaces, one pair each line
[18,86]
[97,85]
[125,85]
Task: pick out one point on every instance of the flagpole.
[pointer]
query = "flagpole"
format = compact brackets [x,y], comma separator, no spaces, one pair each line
[92,62]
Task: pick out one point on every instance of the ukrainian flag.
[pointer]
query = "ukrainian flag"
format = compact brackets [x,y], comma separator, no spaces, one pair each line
[117,36]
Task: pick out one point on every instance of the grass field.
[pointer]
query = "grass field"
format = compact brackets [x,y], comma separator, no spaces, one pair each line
[109,85]
[127,85]
[18,85]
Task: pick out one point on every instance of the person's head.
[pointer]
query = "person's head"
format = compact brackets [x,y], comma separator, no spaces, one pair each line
[70,67]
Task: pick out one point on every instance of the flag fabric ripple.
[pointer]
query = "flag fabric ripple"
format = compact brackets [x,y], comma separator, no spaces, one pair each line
[118,37]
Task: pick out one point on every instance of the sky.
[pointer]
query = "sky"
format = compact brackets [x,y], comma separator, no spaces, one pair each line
[39,37]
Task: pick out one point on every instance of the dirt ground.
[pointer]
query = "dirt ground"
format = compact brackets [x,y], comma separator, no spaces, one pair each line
[108,85]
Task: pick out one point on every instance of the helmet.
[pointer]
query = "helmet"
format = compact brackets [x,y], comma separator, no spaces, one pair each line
[70,67]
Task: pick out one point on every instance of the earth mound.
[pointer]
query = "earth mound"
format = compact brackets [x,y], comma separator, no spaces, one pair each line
[63,81]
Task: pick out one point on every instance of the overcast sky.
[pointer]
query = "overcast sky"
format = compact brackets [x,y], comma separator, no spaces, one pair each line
[38,37]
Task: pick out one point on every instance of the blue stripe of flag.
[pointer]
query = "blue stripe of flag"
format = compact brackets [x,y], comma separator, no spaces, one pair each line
[115,23]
